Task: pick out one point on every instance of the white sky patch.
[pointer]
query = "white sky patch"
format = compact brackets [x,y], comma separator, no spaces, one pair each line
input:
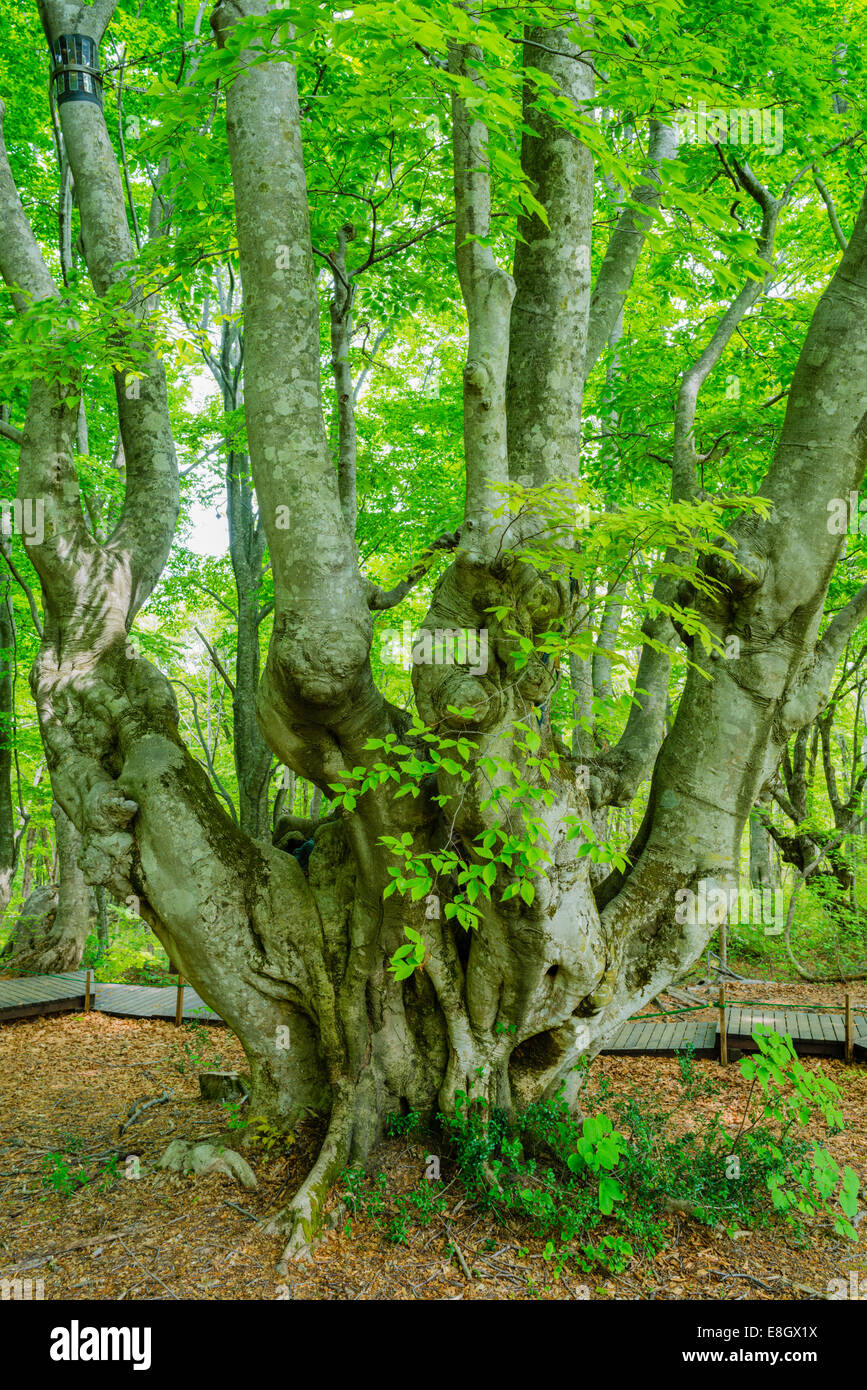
[208,533]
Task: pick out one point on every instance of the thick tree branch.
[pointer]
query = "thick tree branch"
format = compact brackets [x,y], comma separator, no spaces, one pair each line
[548,331]
[318,667]
[46,470]
[147,524]
[626,243]
[612,613]
[809,690]
[617,772]
[487,292]
[10,432]
[380,599]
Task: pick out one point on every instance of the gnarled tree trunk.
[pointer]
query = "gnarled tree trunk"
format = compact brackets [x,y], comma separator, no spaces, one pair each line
[297,962]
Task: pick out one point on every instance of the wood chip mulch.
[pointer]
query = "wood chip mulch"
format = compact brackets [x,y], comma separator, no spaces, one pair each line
[68,1082]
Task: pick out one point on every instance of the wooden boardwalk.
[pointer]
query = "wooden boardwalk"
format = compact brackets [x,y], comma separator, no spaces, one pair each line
[813,1032]
[655,1035]
[150,1001]
[47,994]
[42,994]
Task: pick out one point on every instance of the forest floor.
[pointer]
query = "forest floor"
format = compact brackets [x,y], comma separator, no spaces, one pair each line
[67,1083]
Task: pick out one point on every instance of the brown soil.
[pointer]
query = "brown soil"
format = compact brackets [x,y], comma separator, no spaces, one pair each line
[68,1082]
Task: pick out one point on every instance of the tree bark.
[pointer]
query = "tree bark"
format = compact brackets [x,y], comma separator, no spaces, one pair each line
[102,940]
[51,931]
[8,842]
[762,864]
[296,959]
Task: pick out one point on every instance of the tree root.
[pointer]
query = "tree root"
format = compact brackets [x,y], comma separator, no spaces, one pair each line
[680,1206]
[301,1220]
[183,1156]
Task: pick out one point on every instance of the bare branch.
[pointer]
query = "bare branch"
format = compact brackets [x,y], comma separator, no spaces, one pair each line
[22,583]
[216,597]
[10,432]
[824,193]
[379,599]
[625,246]
[212,771]
[147,524]
[215,659]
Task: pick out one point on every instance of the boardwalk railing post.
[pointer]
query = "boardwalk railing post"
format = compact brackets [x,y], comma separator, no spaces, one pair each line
[723,1035]
[849,1049]
[87,993]
[179,1006]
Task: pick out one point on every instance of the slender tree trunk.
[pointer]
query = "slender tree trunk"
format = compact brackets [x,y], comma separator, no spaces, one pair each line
[102,941]
[252,754]
[8,847]
[36,859]
[246,551]
[762,862]
[51,931]
[284,801]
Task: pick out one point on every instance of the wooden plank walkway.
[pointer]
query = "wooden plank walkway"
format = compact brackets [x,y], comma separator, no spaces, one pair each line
[813,1033]
[639,1036]
[151,1001]
[32,995]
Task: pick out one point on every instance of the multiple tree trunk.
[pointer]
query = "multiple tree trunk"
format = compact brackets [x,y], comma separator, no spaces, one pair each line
[295,961]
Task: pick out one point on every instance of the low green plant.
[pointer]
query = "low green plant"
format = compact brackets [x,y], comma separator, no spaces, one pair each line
[801,1183]
[234,1118]
[71,1143]
[61,1179]
[266,1138]
[599,1189]
[763,1169]
[198,1049]
[394,1215]
[630,1166]
[398,1126]
[559,1174]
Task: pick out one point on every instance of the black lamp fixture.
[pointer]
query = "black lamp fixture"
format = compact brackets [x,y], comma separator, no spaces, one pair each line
[76,69]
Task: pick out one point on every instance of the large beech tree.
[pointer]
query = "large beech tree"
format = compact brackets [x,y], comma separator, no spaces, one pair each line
[298,963]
